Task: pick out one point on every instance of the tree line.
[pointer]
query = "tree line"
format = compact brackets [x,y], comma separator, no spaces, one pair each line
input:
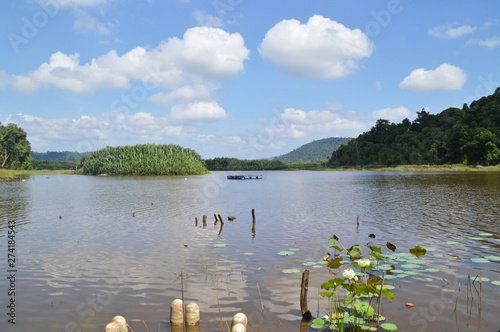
[469,135]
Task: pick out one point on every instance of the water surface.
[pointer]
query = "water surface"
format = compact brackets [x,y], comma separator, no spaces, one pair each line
[89,248]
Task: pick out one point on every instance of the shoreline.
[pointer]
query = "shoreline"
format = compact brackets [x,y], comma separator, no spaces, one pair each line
[18,175]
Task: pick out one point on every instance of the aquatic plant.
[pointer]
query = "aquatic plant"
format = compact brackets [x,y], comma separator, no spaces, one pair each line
[143,159]
[355,293]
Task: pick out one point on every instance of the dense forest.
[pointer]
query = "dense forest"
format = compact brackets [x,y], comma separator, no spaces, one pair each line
[469,135]
[231,164]
[143,159]
[315,151]
[53,160]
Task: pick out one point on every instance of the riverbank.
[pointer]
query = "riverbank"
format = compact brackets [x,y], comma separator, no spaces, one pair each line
[18,175]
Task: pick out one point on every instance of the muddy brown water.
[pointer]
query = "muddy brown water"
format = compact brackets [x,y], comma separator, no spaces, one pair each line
[89,248]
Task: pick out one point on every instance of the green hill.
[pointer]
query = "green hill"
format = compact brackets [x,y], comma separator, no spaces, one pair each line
[54,160]
[469,135]
[316,151]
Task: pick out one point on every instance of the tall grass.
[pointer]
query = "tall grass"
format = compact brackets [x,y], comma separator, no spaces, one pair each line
[143,159]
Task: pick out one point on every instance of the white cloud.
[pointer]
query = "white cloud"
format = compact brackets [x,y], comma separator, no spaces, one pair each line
[205,19]
[450,31]
[489,42]
[207,111]
[185,94]
[88,133]
[321,48]
[178,70]
[444,78]
[394,114]
[296,123]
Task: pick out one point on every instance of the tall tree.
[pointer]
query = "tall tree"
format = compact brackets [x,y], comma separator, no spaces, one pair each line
[14,147]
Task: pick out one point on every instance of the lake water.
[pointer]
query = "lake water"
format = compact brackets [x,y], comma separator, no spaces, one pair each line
[89,248]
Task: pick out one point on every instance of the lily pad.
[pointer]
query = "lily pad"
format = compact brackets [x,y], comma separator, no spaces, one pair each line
[485,234]
[480,260]
[496,282]
[475,238]
[288,271]
[493,258]
[220,245]
[431,269]
[389,276]
[389,326]
[294,249]
[451,242]
[286,253]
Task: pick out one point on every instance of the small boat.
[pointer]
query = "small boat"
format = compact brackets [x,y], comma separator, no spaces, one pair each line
[244,177]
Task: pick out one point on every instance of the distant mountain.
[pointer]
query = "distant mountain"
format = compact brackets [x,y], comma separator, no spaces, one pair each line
[316,151]
[53,155]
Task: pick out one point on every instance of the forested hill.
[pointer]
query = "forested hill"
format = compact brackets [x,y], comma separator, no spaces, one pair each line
[55,155]
[470,136]
[316,151]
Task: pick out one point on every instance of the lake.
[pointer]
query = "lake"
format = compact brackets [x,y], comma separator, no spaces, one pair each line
[89,248]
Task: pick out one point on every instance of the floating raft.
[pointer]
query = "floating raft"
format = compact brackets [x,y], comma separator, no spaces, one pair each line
[244,177]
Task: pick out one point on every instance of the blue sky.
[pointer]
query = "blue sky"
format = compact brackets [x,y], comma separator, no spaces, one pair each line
[236,78]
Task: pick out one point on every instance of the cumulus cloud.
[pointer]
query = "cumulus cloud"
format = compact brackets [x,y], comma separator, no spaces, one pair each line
[321,48]
[488,42]
[90,133]
[208,111]
[394,114]
[183,71]
[444,78]
[172,64]
[297,123]
[450,31]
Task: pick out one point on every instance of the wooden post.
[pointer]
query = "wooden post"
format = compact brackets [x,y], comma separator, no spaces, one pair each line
[195,221]
[253,223]
[221,227]
[216,219]
[357,222]
[204,221]
[304,308]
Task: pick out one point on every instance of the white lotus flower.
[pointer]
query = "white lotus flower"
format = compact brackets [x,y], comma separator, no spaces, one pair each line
[349,274]
[364,262]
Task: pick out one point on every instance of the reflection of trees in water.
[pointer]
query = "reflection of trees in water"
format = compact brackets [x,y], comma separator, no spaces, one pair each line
[14,202]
